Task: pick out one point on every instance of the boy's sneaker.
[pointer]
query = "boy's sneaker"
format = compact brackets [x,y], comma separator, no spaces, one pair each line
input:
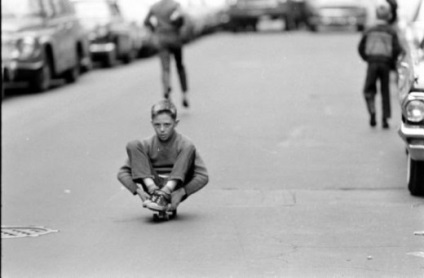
[159,201]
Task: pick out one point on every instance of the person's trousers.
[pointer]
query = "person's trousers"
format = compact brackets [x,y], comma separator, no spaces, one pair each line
[165,54]
[378,72]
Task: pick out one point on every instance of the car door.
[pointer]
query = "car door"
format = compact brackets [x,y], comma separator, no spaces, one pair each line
[122,30]
[64,43]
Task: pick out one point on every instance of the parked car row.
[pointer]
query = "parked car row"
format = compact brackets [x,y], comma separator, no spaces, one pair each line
[245,14]
[47,39]
[42,39]
[411,95]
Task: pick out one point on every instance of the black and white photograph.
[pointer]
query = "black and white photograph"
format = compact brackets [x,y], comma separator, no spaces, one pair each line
[212,138]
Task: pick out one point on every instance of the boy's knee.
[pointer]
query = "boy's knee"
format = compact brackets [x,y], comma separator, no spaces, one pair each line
[134,146]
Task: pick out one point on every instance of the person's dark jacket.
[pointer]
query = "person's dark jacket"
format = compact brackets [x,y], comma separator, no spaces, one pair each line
[386,50]
[166,18]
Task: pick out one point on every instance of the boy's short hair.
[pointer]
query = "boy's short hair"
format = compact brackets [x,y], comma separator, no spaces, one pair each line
[383,12]
[164,106]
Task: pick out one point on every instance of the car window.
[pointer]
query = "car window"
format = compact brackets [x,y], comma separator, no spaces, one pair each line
[48,8]
[58,7]
[68,7]
[92,9]
[20,8]
[115,10]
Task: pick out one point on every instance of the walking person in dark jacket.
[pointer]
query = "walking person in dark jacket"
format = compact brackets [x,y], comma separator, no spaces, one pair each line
[380,48]
[165,19]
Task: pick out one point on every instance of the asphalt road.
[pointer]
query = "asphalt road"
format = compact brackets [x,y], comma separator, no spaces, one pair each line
[300,185]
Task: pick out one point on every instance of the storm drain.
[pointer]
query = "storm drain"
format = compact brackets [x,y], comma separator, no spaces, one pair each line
[20,232]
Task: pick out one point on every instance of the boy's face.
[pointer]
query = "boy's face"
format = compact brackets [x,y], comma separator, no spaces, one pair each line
[164,126]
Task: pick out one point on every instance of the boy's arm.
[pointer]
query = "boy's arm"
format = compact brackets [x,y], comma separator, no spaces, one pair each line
[361,47]
[200,176]
[125,177]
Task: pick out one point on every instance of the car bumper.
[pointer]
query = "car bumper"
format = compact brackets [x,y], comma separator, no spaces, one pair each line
[337,20]
[413,136]
[255,14]
[8,70]
[102,48]
[20,70]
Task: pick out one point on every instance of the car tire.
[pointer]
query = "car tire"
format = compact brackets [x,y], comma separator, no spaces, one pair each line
[43,77]
[111,59]
[415,177]
[313,28]
[130,56]
[289,23]
[73,73]
[360,28]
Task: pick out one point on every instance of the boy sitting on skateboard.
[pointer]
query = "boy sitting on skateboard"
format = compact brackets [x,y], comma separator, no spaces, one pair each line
[166,168]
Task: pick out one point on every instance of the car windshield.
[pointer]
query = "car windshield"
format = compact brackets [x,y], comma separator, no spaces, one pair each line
[335,3]
[20,8]
[92,9]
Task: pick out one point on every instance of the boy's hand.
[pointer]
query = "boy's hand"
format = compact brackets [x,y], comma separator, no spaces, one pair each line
[177,197]
[142,194]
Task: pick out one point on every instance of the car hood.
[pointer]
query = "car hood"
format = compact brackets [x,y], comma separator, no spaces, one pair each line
[15,25]
[337,3]
[93,23]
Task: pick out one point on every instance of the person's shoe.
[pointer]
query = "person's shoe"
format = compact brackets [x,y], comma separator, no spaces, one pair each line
[385,123]
[185,102]
[373,121]
[167,94]
[159,202]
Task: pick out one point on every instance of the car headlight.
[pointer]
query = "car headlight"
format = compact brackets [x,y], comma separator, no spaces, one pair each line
[415,111]
[27,47]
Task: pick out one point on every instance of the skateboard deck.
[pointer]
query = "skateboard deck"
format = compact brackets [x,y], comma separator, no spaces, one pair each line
[164,215]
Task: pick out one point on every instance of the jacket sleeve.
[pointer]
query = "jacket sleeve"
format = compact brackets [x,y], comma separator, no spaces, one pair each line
[398,48]
[200,176]
[148,21]
[125,177]
[361,47]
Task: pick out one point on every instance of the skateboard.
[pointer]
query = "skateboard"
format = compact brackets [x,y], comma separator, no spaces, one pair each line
[164,215]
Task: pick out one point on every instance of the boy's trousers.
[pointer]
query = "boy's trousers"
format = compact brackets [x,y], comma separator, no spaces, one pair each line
[138,166]
[378,71]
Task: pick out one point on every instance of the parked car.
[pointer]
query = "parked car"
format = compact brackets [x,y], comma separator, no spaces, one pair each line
[136,12]
[247,13]
[111,36]
[411,95]
[343,13]
[41,40]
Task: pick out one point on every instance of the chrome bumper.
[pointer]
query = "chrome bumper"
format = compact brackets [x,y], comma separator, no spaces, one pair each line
[414,140]
[8,69]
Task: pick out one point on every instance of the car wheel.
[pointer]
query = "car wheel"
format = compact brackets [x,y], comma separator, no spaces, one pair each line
[130,56]
[73,73]
[111,59]
[289,23]
[415,177]
[42,79]
[313,28]
[360,28]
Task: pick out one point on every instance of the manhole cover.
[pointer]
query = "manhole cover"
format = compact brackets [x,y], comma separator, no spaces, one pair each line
[29,231]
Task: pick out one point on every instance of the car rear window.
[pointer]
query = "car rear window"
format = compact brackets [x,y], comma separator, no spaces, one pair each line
[20,8]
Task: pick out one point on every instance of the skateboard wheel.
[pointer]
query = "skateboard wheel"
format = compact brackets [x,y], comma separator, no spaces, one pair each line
[173,214]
